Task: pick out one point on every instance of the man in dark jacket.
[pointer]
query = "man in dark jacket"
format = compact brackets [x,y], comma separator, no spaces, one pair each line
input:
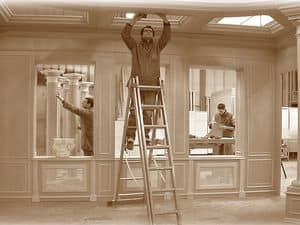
[226,122]
[225,119]
[86,114]
[145,64]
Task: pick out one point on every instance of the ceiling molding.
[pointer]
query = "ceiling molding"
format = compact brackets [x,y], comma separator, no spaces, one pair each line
[292,12]
[10,17]
[119,19]
[180,5]
[270,28]
[244,29]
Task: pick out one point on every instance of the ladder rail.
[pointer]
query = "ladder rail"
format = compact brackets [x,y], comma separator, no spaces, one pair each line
[170,154]
[143,151]
[155,121]
[117,188]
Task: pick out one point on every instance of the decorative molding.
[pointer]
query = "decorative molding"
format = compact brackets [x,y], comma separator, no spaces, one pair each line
[11,17]
[267,170]
[184,178]
[214,169]
[105,178]
[176,21]
[292,12]
[19,171]
[271,28]
[63,173]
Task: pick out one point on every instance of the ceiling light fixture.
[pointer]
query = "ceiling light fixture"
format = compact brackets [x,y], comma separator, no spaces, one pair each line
[129,15]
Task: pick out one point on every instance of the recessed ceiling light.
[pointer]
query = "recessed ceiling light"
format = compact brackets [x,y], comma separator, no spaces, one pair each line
[129,15]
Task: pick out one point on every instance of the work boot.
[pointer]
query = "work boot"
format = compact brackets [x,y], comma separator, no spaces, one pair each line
[130,142]
[148,141]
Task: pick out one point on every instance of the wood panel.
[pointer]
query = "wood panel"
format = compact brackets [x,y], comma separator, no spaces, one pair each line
[16,105]
[105,177]
[181,175]
[214,175]
[14,177]
[261,106]
[260,173]
[104,107]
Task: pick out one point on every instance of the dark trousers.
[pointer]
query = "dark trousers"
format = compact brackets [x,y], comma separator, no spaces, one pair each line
[147,98]
[88,153]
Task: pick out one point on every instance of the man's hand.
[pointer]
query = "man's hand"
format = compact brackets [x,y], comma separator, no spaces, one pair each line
[138,17]
[60,98]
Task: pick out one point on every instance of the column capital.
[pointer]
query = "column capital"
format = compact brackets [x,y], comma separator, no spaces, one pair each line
[73,77]
[84,86]
[52,74]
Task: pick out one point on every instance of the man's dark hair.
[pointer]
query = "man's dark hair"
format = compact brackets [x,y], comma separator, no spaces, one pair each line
[90,100]
[221,106]
[142,30]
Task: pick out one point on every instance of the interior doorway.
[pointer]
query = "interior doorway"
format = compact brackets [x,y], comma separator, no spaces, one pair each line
[289,132]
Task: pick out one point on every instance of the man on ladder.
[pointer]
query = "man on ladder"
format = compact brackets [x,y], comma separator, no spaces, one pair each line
[146,97]
[146,65]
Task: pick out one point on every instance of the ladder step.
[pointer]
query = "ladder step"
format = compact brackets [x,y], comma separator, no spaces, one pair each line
[149,127]
[160,168]
[155,126]
[131,178]
[135,145]
[152,106]
[130,194]
[131,127]
[129,199]
[125,201]
[148,87]
[166,213]
[164,190]
[158,147]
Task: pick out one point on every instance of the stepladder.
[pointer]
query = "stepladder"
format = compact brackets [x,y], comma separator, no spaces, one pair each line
[151,172]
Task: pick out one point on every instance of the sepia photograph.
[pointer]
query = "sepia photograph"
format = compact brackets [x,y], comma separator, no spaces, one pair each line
[140,112]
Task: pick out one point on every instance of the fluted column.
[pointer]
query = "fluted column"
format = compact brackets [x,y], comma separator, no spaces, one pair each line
[65,130]
[52,76]
[70,120]
[293,191]
[60,91]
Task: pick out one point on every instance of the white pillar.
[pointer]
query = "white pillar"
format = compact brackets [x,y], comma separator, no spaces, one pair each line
[85,89]
[65,113]
[51,111]
[293,191]
[61,81]
[71,121]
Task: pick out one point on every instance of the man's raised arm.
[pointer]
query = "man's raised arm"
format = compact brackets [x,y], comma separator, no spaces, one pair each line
[126,32]
[166,33]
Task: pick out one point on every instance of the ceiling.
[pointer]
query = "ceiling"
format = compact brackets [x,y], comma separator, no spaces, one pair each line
[92,16]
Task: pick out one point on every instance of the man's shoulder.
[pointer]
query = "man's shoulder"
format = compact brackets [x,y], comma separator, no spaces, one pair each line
[228,114]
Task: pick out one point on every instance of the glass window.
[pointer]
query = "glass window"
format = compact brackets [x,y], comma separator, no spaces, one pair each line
[60,131]
[212,111]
